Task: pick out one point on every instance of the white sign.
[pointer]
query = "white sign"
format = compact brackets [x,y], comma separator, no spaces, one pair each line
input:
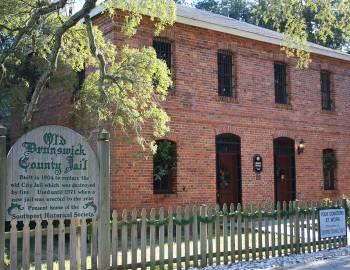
[332,223]
[52,173]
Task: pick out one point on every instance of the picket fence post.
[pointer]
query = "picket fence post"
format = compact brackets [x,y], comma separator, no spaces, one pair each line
[203,236]
[115,240]
[3,176]
[345,205]
[195,236]
[161,239]
[103,152]
[26,247]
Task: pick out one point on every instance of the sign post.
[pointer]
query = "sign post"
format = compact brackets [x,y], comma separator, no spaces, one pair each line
[52,173]
[104,250]
[2,193]
[332,223]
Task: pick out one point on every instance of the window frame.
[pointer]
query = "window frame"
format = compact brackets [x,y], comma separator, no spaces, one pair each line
[171,62]
[168,42]
[170,186]
[328,184]
[230,74]
[283,99]
[326,94]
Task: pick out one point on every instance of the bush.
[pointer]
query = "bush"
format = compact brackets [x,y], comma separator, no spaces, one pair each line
[6,260]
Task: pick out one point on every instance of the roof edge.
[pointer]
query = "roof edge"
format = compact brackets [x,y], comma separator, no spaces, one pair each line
[313,48]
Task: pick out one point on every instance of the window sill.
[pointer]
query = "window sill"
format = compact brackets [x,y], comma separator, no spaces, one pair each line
[330,190]
[164,193]
[284,106]
[227,99]
[326,112]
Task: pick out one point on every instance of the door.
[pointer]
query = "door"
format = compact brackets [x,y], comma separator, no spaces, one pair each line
[228,169]
[284,165]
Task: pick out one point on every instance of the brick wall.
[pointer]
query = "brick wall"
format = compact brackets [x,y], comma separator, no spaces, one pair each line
[197,116]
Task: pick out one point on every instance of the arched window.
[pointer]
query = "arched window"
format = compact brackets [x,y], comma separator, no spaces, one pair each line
[228,143]
[164,167]
[329,168]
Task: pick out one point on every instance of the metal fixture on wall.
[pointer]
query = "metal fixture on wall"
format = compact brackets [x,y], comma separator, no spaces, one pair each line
[301,146]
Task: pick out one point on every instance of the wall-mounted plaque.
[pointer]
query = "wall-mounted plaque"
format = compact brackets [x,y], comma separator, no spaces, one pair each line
[257,163]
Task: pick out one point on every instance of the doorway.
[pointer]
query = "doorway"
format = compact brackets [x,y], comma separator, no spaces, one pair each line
[228,169]
[284,166]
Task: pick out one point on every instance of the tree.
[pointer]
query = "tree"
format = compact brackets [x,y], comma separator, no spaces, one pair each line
[323,22]
[209,5]
[182,2]
[236,9]
[126,85]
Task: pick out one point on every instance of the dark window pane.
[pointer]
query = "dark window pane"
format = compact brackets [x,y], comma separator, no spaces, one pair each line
[329,167]
[281,95]
[80,78]
[163,50]
[225,74]
[164,167]
[326,91]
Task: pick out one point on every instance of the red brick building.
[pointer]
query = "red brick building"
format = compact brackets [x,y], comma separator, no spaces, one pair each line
[236,95]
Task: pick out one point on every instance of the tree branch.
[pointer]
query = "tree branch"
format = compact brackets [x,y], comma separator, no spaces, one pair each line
[93,47]
[52,65]
[98,54]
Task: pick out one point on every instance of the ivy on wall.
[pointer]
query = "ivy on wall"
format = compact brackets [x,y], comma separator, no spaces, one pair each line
[329,161]
[164,159]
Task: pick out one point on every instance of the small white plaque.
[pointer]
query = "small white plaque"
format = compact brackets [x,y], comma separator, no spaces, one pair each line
[52,174]
[332,223]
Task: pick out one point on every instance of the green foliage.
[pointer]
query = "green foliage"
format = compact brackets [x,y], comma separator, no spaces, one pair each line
[130,99]
[124,97]
[323,22]
[209,5]
[162,12]
[164,159]
[7,260]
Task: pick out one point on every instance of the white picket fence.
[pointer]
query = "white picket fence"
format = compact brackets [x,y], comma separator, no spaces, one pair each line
[187,237]
[32,255]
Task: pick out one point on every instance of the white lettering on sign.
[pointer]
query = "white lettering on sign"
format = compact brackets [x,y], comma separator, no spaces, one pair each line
[52,173]
[332,223]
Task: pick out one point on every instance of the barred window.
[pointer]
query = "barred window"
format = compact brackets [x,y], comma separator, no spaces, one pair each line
[281,94]
[326,97]
[225,74]
[163,50]
[329,167]
[164,167]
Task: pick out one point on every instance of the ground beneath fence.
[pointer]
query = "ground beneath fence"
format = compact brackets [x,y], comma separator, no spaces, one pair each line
[338,263]
[337,259]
